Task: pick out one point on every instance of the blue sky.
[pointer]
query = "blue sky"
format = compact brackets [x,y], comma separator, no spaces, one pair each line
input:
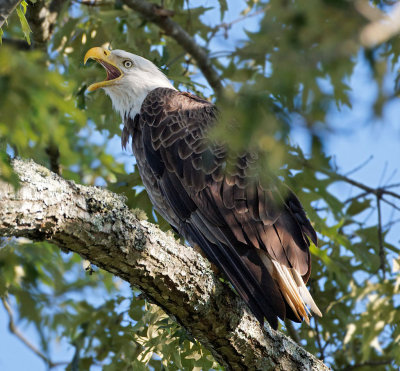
[357,138]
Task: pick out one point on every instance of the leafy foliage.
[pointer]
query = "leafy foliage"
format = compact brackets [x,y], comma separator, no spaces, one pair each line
[21,11]
[291,71]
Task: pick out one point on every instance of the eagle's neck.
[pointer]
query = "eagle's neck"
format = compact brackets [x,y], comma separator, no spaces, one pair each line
[128,96]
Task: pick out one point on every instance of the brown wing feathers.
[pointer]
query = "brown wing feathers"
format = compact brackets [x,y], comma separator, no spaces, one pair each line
[258,241]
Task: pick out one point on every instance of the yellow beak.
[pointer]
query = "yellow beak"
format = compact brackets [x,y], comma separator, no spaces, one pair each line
[105,58]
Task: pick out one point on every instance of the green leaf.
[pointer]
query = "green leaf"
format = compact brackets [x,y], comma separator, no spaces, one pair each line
[24,23]
[223,7]
[24,5]
[357,207]
[292,72]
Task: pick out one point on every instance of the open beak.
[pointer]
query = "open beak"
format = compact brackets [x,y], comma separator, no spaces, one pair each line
[104,57]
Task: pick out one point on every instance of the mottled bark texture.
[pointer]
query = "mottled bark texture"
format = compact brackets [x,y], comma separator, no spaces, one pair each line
[97,225]
[42,16]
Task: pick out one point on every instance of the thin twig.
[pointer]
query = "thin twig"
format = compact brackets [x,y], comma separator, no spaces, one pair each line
[372,211]
[391,176]
[14,330]
[380,238]
[395,185]
[359,167]
[320,347]
[333,175]
[221,53]
[54,157]
[362,194]
[93,3]
[390,203]
[383,173]
[379,193]
[227,26]
[6,9]
[326,344]
[370,363]
[292,331]
[391,223]
[152,13]
[174,60]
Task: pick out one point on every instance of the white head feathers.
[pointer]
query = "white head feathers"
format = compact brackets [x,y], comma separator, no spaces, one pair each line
[139,77]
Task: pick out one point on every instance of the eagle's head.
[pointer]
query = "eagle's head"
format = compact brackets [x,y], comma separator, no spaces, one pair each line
[129,79]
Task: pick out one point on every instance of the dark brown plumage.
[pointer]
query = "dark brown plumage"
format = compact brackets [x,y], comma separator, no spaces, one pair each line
[259,240]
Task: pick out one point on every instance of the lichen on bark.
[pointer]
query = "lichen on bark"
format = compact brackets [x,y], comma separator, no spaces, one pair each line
[97,224]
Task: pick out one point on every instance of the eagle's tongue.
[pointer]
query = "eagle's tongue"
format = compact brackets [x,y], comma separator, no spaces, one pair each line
[112,72]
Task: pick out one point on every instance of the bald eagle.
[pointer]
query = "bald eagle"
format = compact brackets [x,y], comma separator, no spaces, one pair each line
[256,236]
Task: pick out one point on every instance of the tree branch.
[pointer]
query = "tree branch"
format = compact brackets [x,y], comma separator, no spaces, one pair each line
[227,26]
[382,255]
[292,331]
[54,157]
[6,8]
[160,17]
[370,364]
[378,192]
[42,17]
[18,44]
[14,329]
[98,225]
[318,336]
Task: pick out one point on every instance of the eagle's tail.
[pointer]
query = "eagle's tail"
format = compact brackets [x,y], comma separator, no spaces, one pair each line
[294,290]
[270,289]
[258,290]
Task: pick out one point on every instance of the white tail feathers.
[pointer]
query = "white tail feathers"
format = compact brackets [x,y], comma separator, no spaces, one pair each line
[293,290]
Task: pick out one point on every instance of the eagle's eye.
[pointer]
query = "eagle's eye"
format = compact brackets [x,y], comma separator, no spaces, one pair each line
[127,63]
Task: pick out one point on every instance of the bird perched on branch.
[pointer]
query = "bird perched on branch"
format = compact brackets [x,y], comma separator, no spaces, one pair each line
[257,236]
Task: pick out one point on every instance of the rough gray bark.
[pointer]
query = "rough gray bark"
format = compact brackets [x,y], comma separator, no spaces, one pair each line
[97,224]
[6,8]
